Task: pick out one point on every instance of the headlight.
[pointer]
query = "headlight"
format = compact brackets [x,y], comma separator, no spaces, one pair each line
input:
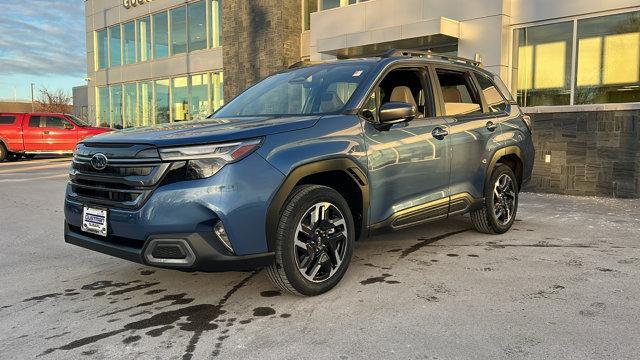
[204,161]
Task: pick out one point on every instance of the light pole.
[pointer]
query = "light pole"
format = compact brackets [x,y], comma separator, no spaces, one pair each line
[32,102]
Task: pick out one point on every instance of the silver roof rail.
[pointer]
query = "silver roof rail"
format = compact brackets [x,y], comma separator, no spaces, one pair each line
[430,55]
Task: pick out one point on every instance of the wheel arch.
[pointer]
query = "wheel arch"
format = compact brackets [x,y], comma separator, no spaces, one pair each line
[510,156]
[331,172]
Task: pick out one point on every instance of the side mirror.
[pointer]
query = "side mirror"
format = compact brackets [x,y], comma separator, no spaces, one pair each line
[397,112]
[68,126]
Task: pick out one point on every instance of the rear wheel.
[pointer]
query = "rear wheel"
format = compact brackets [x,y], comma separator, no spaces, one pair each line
[314,241]
[500,204]
[13,157]
[3,152]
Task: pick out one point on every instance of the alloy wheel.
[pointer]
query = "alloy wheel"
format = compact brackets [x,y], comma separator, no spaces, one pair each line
[320,242]
[504,199]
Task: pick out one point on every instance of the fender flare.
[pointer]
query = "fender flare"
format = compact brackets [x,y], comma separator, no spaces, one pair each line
[344,164]
[509,150]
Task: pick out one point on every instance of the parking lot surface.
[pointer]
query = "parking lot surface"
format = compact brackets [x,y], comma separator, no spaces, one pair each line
[563,284]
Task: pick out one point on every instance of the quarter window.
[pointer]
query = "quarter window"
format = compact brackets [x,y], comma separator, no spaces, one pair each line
[495,102]
[459,95]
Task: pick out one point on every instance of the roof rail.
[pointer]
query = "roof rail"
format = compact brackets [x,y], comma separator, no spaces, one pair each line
[429,54]
[304,63]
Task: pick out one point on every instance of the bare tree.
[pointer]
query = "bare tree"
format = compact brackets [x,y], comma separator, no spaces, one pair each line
[57,101]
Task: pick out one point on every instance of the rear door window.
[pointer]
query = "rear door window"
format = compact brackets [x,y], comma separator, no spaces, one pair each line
[36,121]
[458,92]
[7,119]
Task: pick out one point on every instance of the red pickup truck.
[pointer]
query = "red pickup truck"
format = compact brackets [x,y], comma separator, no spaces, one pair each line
[40,133]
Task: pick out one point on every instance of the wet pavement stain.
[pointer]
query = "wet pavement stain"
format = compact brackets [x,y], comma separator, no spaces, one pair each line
[131,339]
[378,267]
[473,255]
[284,316]
[155,291]
[263,311]
[453,255]
[177,299]
[133,288]
[270,293]
[89,352]
[427,241]
[147,272]
[40,298]
[106,284]
[100,293]
[379,279]
[58,335]
[197,320]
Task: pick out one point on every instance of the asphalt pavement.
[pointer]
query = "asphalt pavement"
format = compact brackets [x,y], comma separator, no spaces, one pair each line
[563,284]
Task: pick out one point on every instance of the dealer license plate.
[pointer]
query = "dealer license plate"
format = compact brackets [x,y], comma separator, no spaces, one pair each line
[94,221]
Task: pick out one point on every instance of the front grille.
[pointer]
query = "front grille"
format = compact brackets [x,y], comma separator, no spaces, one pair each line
[132,173]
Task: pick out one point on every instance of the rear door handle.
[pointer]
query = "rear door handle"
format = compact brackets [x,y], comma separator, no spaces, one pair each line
[491,126]
[439,133]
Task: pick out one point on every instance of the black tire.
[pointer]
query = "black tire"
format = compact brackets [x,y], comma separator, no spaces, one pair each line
[485,220]
[3,152]
[285,272]
[12,157]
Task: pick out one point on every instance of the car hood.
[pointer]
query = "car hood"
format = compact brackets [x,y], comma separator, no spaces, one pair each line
[205,131]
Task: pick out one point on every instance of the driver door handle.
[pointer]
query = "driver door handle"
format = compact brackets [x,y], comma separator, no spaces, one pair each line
[439,133]
[491,126]
[46,132]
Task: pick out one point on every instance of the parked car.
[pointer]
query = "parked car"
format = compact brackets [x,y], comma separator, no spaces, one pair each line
[294,170]
[30,134]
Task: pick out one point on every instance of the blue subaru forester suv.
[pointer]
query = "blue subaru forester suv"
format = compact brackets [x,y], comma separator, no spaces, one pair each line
[296,168]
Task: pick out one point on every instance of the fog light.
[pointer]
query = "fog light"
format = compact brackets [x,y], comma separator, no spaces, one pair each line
[221,233]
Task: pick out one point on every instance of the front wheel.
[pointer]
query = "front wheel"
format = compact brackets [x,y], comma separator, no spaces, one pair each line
[500,203]
[314,241]
[3,152]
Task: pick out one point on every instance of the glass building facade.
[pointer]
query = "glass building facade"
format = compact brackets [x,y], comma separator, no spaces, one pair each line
[161,35]
[593,60]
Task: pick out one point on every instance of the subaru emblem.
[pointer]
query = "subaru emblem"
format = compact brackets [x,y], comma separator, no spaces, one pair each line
[99,161]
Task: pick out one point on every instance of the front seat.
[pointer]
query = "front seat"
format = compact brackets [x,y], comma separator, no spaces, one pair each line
[403,94]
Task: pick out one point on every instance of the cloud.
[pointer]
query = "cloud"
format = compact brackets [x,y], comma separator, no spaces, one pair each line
[43,37]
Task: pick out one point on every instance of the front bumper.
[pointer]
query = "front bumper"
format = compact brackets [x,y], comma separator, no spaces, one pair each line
[207,256]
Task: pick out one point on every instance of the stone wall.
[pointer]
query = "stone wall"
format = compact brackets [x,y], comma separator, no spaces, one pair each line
[587,153]
[260,37]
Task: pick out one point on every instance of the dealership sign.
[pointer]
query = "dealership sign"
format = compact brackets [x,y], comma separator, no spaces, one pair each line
[132,3]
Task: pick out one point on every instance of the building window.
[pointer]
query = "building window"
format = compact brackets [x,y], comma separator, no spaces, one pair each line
[144,38]
[180,99]
[543,64]
[116,106]
[102,49]
[160,35]
[129,42]
[115,46]
[200,99]
[608,68]
[130,109]
[102,104]
[607,62]
[197,25]
[217,91]
[145,103]
[162,101]
[308,7]
[178,19]
[216,23]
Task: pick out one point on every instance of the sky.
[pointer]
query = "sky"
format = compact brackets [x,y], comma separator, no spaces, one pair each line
[41,42]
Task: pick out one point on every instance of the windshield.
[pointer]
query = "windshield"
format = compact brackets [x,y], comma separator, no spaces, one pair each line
[78,121]
[321,89]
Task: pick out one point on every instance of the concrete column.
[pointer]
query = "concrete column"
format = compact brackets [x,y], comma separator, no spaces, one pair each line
[259,38]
